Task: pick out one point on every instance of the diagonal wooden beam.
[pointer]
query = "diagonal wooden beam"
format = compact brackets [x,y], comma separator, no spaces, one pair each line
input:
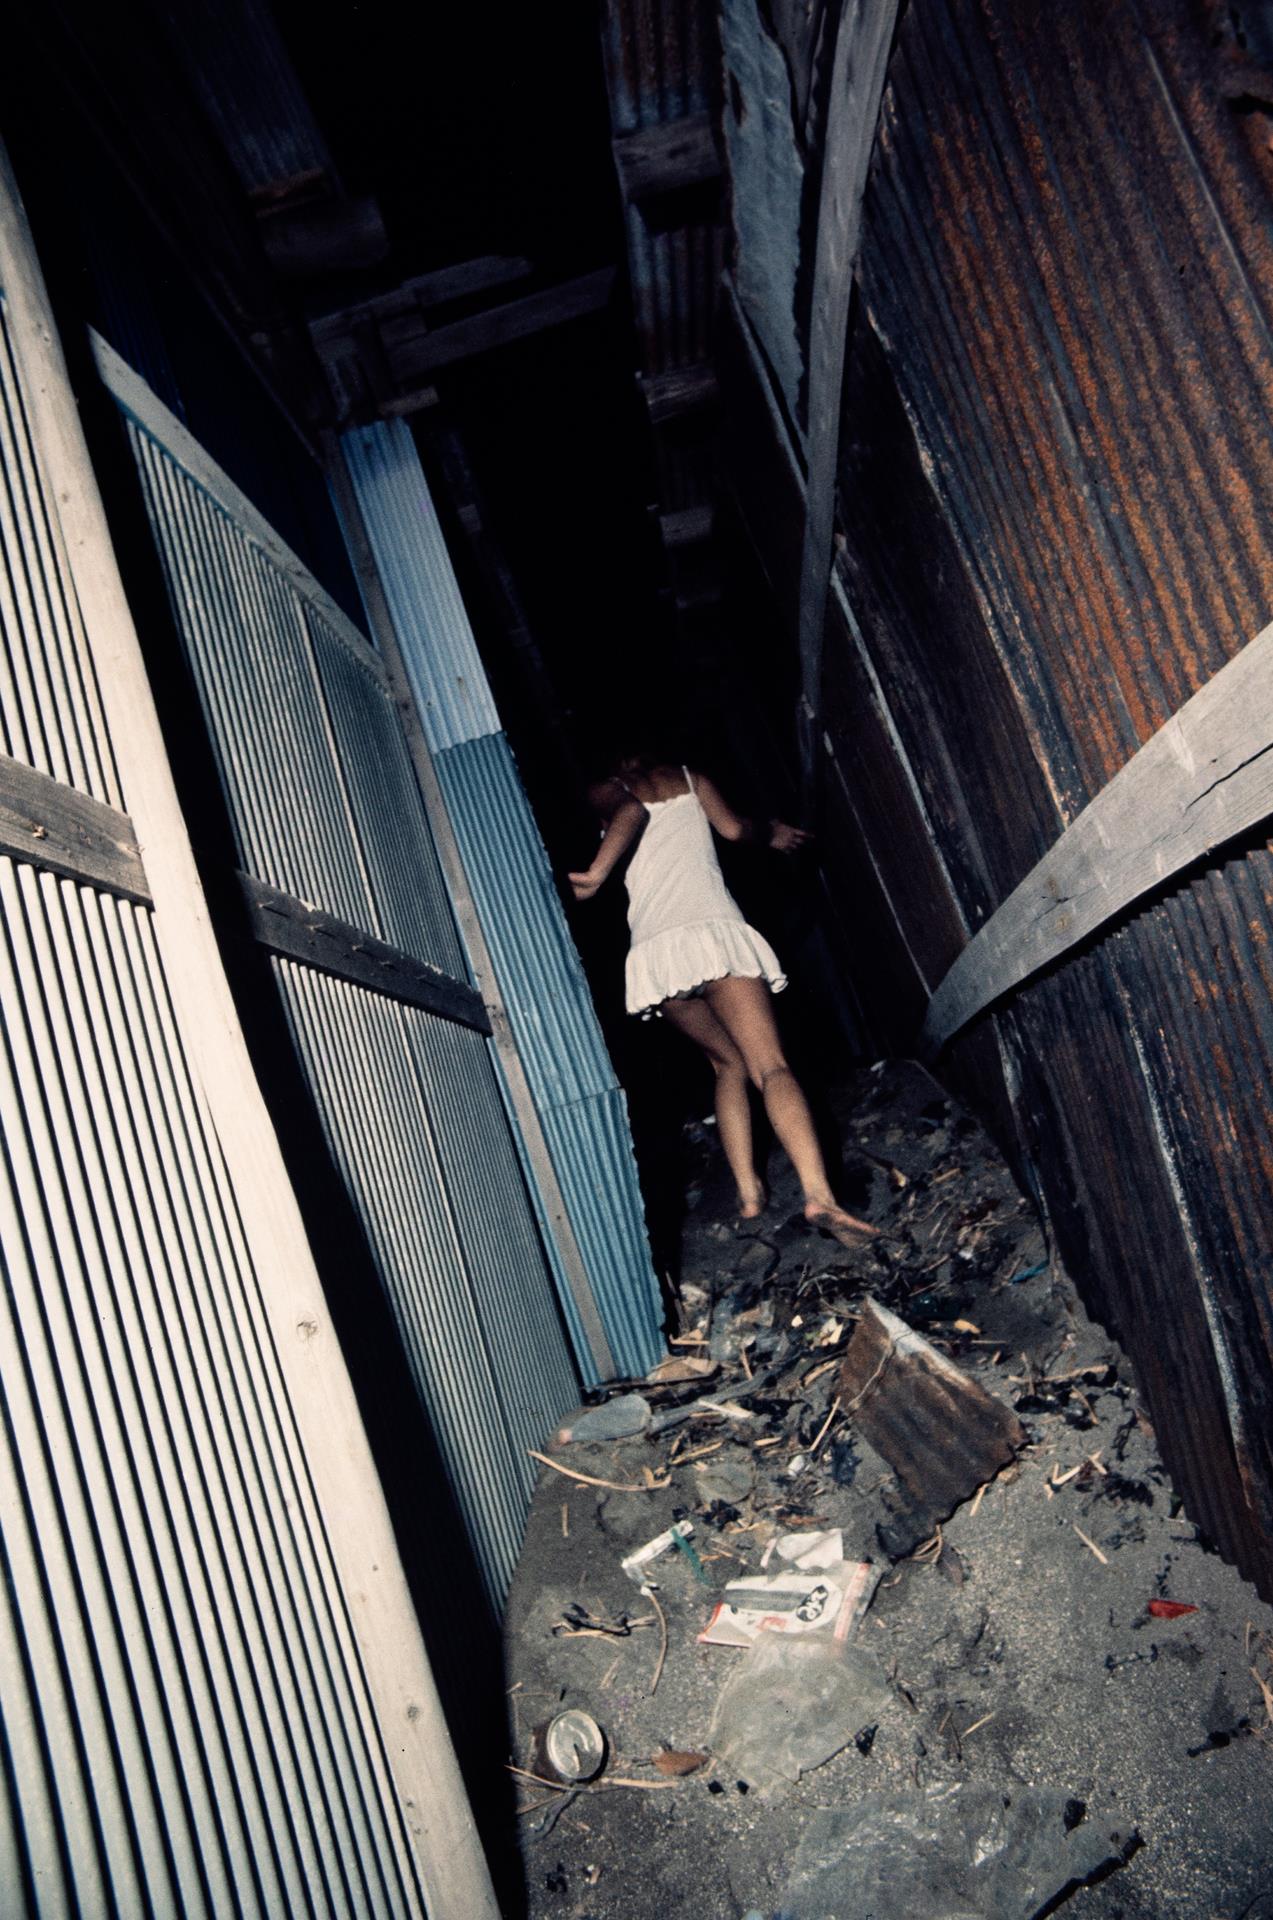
[1201,780]
[863,39]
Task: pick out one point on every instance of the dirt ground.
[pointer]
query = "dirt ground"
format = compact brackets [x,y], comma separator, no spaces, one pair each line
[1014,1651]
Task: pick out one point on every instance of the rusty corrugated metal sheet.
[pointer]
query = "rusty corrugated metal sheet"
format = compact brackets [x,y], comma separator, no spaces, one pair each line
[1057,493]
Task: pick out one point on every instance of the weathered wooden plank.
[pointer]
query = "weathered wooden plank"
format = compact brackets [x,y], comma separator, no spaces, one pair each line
[498,326]
[862,44]
[667,157]
[1202,779]
[67,832]
[679,391]
[297,931]
[421,291]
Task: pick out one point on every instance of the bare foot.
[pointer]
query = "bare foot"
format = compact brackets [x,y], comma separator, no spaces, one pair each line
[842,1226]
[753,1204]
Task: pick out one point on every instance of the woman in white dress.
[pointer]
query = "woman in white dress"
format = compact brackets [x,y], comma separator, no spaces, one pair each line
[694,960]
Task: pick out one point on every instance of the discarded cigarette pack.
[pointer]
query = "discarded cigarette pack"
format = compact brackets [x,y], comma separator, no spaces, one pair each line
[794,1601]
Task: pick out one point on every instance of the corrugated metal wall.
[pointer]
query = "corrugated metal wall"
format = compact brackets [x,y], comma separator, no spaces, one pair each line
[186,1725]
[1056,487]
[323,801]
[541,981]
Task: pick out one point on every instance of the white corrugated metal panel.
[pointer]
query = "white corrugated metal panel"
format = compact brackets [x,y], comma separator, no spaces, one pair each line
[249,649]
[438,648]
[185,1720]
[180,1676]
[413,906]
[412,1118]
[50,708]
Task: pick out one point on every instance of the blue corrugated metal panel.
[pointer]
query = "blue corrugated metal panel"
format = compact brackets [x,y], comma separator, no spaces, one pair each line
[550,1011]
[591,1148]
[447,676]
[540,975]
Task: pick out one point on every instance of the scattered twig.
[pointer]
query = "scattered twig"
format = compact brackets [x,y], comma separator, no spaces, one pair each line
[658,1665]
[1266,1690]
[978,1497]
[826,1426]
[652,1484]
[589,1786]
[1090,1544]
[1063,1479]
[565,1519]
[976,1725]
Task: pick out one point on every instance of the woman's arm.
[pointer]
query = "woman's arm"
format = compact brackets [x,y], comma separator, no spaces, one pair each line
[625,824]
[775,834]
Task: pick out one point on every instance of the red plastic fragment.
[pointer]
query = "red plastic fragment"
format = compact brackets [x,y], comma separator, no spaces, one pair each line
[1169,1609]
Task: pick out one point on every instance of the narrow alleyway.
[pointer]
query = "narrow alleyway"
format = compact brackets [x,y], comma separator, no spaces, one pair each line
[1061,1661]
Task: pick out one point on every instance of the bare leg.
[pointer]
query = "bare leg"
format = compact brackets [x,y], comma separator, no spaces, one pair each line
[695,1019]
[744,1009]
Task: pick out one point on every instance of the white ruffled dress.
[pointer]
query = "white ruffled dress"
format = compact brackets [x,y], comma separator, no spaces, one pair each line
[686,926]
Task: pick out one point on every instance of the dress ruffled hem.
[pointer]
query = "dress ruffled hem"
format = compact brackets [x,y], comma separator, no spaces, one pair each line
[679,963]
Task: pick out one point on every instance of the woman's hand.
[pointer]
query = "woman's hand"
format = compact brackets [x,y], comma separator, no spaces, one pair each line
[785,839]
[582,885]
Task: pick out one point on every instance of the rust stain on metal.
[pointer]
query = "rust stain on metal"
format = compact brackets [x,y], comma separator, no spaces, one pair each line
[939,1430]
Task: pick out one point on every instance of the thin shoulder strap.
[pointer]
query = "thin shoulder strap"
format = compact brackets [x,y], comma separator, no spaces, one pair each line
[689,780]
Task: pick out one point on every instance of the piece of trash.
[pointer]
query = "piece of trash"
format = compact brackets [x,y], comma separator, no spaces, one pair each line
[637,1562]
[829,1601]
[576,1619]
[618,1419]
[796,1466]
[729,1478]
[1169,1609]
[679,1367]
[792,1704]
[687,1552]
[679,1765]
[843,1460]
[570,1748]
[819,1551]
[939,1430]
[961,1852]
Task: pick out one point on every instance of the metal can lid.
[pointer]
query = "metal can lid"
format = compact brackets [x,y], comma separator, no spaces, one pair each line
[574,1745]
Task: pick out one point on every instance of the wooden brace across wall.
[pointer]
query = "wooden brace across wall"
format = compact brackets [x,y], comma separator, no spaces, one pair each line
[66,832]
[1204,778]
